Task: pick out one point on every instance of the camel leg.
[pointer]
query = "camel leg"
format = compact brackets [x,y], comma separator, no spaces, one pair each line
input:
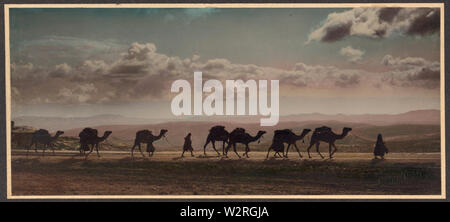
[234,148]
[208,139]
[287,151]
[192,153]
[247,149]
[182,154]
[309,147]
[53,149]
[96,148]
[295,145]
[317,149]
[335,149]
[329,150]
[132,150]
[92,149]
[279,155]
[214,147]
[268,151]
[140,150]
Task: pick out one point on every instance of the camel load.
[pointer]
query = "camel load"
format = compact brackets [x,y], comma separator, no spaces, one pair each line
[89,136]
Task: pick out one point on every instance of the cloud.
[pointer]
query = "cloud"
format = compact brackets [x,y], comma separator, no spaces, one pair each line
[413,72]
[353,55]
[377,23]
[141,73]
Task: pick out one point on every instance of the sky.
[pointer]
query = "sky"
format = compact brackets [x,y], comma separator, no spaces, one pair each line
[84,62]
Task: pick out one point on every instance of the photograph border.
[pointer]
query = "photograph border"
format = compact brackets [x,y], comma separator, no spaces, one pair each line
[7,77]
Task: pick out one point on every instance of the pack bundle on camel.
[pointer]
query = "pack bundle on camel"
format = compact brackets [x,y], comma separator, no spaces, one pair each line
[146,136]
[89,136]
[286,136]
[216,133]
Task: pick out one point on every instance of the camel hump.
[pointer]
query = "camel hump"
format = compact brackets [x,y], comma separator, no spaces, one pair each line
[322,129]
[283,132]
[41,132]
[217,129]
[88,132]
[239,131]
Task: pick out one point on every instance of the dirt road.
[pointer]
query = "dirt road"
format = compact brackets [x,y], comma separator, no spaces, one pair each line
[115,173]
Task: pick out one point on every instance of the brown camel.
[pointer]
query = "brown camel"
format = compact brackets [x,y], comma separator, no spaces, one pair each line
[146,136]
[43,137]
[286,136]
[89,137]
[239,135]
[325,134]
[216,133]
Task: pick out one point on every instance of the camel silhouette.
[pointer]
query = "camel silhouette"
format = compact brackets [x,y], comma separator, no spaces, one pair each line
[90,136]
[216,133]
[325,134]
[286,136]
[43,137]
[146,136]
[239,135]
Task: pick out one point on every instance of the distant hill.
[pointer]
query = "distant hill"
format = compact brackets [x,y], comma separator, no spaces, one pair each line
[426,117]
[64,123]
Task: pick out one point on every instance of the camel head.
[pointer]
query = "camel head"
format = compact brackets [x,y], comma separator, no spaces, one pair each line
[163,132]
[107,133]
[260,133]
[306,131]
[346,129]
[59,132]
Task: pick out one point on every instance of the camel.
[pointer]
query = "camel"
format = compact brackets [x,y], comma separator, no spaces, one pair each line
[89,137]
[239,135]
[286,136]
[325,134]
[146,136]
[216,133]
[43,137]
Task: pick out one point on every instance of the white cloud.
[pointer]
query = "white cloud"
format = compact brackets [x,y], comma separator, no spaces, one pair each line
[353,55]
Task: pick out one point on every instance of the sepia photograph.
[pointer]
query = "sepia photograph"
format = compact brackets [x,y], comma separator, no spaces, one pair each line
[225,101]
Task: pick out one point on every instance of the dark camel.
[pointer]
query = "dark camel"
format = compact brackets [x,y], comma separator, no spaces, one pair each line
[239,135]
[216,133]
[89,137]
[43,137]
[286,136]
[325,134]
[146,136]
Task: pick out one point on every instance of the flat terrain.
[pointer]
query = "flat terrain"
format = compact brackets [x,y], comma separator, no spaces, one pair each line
[115,173]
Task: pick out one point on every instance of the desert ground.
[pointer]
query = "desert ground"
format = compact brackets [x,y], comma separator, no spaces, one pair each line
[115,173]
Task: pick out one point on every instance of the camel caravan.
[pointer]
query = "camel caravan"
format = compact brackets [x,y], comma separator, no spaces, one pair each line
[90,139]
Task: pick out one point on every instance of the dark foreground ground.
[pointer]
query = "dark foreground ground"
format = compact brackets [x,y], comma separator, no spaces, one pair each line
[115,173]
